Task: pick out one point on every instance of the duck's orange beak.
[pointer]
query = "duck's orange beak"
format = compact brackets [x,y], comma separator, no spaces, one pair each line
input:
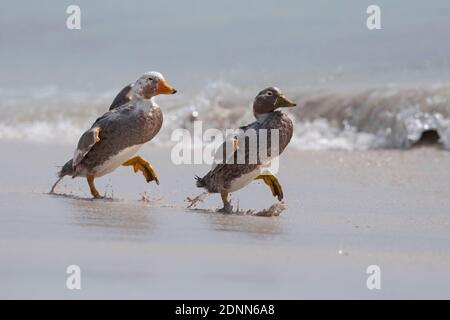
[164,88]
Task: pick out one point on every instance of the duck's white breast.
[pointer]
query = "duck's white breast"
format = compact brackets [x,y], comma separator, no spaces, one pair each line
[243,180]
[116,161]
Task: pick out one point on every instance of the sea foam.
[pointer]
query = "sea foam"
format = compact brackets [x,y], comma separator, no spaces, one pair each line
[389,117]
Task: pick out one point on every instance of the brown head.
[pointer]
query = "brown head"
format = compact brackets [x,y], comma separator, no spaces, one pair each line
[270,99]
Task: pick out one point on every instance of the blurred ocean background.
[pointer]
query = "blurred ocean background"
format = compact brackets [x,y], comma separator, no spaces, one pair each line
[357,89]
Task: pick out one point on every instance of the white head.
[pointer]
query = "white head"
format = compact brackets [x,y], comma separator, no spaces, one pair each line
[151,84]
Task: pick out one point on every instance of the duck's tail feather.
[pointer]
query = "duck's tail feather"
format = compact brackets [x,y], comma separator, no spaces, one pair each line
[66,170]
[200,182]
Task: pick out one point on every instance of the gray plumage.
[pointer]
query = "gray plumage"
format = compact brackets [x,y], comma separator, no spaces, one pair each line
[222,175]
[123,97]
[120,128]
[220,178]
[114,138]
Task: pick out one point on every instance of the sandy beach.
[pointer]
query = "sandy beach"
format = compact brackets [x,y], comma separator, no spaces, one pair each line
[344,212]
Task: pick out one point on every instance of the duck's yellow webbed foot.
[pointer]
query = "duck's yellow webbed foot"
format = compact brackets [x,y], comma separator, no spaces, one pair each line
[94,192]
[227,208]
[140,164]
[274,185]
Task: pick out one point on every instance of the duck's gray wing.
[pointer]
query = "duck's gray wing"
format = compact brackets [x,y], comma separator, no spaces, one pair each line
[123,97]
[92,136]
[248,126]
[86,142]
[227,150]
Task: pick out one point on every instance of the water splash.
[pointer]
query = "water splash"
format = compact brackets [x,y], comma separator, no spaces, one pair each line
[390,117]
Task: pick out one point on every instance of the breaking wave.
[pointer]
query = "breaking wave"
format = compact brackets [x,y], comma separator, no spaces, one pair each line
[390,117]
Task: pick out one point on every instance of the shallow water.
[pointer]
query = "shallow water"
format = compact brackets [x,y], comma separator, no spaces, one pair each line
[250,44]
[390,117]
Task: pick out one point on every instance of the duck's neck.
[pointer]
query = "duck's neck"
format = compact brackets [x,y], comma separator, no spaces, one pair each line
[144,104]
[260,117]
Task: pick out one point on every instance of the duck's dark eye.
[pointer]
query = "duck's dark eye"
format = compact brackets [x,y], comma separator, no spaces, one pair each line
[150,79]
[269,93]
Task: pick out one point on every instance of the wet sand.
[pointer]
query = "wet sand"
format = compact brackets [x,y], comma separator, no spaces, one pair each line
[344,212]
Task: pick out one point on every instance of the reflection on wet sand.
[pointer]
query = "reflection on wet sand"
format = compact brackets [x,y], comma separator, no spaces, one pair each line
[143,219]
[240,223]
[252,225]
[75,197]
[127,217]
